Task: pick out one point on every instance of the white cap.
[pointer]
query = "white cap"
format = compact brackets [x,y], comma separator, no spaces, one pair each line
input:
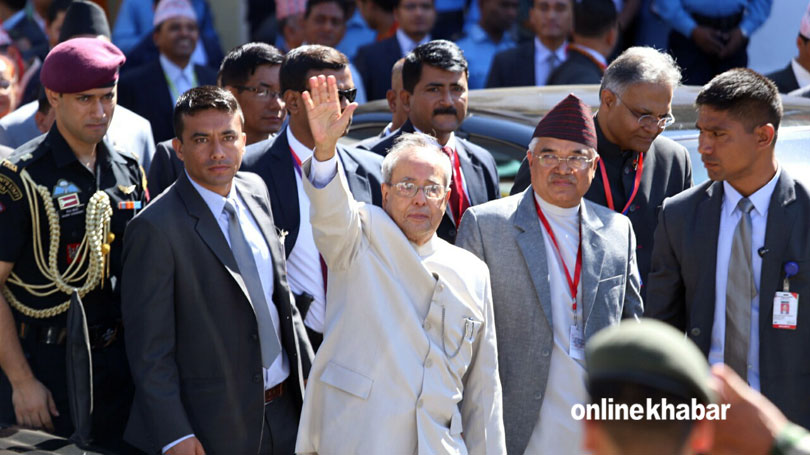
[168,9]
[804,28]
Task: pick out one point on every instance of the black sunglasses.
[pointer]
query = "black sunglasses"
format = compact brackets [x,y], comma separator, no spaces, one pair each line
[349,94]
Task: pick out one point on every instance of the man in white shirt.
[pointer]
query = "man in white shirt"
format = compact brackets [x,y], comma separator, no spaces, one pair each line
[408,363]
[730,256]
[278,162]
[533,62]
[216,346]
[797,73]
[562,268]
[152,89]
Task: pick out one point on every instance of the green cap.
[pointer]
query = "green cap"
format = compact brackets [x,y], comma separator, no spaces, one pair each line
[649,353]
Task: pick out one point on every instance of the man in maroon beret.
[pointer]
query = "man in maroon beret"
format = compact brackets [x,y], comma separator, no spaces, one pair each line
[65,199]
[561,269]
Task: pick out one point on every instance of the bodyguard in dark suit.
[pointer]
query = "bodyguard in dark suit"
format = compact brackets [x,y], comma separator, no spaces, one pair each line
[152,89]
[785,79]
[278,162]
[729,253]
[641,167]
[531,63]
[595,35]
[434,93]
[415,19]
[216,346]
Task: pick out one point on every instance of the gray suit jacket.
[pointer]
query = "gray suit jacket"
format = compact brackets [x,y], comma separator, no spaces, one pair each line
[191,332]
[128,131]
[682,282]
[507,235]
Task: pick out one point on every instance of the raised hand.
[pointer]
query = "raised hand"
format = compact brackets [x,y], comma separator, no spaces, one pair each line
[326,121]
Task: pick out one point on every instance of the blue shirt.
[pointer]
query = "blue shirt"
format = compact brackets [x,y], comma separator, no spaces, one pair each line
[358,33]
[479,49]
[678,12]
[443,6]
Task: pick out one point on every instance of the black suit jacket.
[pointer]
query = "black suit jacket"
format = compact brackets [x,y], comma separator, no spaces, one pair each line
[477,167]
[785,79]
[165,168]
[513,67]
[667,172]
[191,332]
[272,161]
[681,288]
[576,69]
[144,91]
[374,62]
[146,51]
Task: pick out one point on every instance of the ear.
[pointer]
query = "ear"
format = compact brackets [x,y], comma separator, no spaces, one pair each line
[391,96]
[701,438]
[405,98]
[39,119]
[292,99]
[612,36]
[765,135]
[53,98]
[592,433]
[178,148]
[607,99]
[234,91]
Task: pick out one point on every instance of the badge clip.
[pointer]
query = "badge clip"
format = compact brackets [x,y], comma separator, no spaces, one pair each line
[791,269]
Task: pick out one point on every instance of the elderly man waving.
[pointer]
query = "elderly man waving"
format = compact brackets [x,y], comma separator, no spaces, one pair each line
[409,350]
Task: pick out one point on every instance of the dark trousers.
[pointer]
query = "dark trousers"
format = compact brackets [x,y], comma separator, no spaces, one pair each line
[281,418]
[699,67]
[112,392]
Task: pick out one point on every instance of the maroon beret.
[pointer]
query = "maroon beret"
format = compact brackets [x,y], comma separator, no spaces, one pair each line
[571,120]
[81,64]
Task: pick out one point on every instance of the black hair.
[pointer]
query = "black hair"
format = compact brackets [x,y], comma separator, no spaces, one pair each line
[751,98]
[594,18]
[303,59]
[441,54]
[341,3]
[386,5]
[43,105]
[203,98]
[56,7]
[15,5]
[241,62]
[398,2]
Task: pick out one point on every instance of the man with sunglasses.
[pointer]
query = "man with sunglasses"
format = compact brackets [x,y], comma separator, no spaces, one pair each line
[638,168]
[278,162]
[562,268]
[251,73]
[409,361]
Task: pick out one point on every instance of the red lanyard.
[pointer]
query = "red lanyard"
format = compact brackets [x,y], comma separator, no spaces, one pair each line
[572,284]
[576,48]
[296,162]
[606,184]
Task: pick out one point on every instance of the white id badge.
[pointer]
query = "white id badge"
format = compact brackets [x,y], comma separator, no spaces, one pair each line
[576,344]
[785,310]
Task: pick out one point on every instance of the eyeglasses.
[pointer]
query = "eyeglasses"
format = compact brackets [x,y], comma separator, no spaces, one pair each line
[409,190]
[577,162]
[349,94]
[259,92]
[647,120]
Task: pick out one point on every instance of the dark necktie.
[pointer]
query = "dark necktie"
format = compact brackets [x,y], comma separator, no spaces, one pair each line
[250,274]
[458,200]
[740,290]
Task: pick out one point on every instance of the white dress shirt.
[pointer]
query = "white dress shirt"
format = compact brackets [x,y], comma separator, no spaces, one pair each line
[304,264]
[729,217]
[406,44]
[802,75]
[556,431]
[542,66]
[178,79]
[280,368]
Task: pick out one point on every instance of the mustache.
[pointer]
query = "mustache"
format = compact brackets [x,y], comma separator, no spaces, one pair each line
[445,110]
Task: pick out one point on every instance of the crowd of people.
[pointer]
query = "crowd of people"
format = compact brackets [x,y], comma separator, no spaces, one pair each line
[193,263]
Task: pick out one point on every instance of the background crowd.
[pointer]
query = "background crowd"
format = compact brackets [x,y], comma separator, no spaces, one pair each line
[132,116]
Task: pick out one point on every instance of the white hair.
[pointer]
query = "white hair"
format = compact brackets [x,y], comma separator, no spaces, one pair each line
[408,143]
[640,65]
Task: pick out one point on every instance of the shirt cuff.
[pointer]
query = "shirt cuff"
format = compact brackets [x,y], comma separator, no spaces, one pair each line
[322,172]
[169,446]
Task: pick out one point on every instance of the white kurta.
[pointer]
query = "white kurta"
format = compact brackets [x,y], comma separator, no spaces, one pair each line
[556,431]
[409,357]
